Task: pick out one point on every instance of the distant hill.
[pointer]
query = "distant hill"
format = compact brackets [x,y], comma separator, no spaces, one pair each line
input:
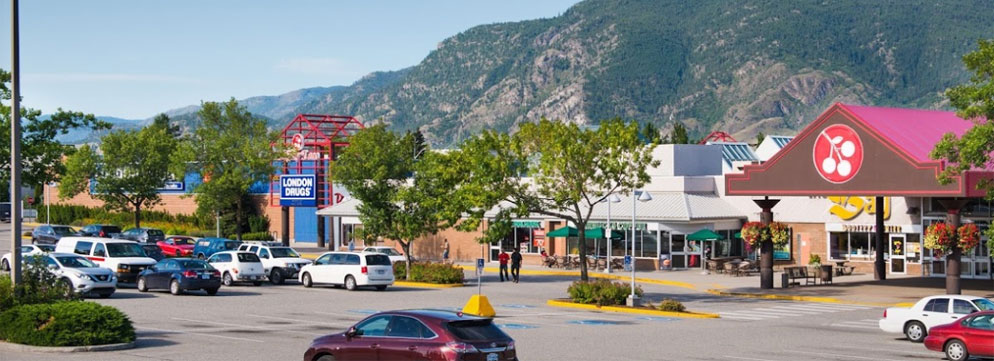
[739,66]
[80,136]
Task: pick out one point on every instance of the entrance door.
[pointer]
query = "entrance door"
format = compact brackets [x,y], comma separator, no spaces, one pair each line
[897,256]
[976,263]
[494,250]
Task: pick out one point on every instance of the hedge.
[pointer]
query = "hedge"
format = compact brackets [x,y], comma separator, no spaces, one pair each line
[671,305]
[255,236]
[601,292]
[437,273]
[65,324]
[38,285]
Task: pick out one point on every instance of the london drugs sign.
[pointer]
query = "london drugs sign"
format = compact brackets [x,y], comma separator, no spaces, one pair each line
[298,190]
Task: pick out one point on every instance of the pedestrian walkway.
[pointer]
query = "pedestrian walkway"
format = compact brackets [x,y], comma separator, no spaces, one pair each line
[788,310]
[866,324]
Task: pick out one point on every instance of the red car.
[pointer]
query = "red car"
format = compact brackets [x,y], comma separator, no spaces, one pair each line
[972,335]
[177,246]
[416,335]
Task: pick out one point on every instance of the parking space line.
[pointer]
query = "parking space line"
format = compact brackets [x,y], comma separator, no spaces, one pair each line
[785,312]
[347,323]
[734,317]
[747,358]
[839,355]
[273,328]
[200,334]
[912,352]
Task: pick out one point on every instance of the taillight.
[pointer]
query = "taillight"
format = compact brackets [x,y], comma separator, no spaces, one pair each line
[365,270]
[217,273]
[885,313]
[460,347]
[510,346]
[102,234]
[189,274]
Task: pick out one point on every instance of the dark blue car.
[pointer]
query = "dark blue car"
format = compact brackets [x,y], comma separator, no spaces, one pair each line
[180,274]
[207,247]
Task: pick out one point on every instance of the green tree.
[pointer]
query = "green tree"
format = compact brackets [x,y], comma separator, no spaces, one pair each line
[41,154]
[651,134]
[760,137]
[975,101]
[134,166]
[679,134]
[377,169]
[162,121]
[232,149]
[550,168]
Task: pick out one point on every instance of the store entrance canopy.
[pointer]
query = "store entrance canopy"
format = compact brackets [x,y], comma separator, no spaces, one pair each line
[704,235]
[592,233]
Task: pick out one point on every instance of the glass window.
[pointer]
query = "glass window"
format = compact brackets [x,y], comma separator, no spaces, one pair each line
[76,262]
[679,241]
[230,245]
[99,251]
[859,245]
[83,248]
[984,304]
[983,322]
[838,245]
[963,307]
[377,260]
[125,250]
[938,305]
[248,257]
[376,326]
[284,252]
[264,253]
[63,231]
[26,249]
[253,249]
[46,247]
[408,327]
[155,233]
[193,264]
[476,330]
[326,259]
[337,258]
[352,259]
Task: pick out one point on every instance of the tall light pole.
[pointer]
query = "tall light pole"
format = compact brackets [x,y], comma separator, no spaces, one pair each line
[643,196]
[613,198]
[15,148]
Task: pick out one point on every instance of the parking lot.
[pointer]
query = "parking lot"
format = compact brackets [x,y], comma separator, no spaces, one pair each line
[278,322]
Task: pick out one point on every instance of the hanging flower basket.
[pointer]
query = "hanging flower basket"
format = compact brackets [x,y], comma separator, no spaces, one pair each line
[754,233]
[969,236]
[940,237]
[779,233]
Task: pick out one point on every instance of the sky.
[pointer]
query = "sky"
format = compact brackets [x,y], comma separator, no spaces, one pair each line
[134,59]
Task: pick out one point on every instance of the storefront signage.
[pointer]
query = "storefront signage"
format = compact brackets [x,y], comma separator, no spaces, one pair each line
[297,141]
[538,237]
[298,190]
[173,186]
[639,226]
[526,224]
[870,228]
[847,208]
[838,153]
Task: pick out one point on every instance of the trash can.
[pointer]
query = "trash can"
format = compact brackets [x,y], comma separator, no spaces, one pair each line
[826,273]
[784,281]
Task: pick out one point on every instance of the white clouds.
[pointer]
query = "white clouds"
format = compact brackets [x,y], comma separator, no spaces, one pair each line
[108,78]
[317,66]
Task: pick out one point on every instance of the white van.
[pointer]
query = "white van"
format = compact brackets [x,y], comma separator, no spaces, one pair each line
[350,269]
[125,258]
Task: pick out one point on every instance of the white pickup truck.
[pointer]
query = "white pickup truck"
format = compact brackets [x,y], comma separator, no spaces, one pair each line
[929,312]
[280,262]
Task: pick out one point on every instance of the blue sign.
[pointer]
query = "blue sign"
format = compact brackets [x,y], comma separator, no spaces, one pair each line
[173,186]
[628,260]
[298,190]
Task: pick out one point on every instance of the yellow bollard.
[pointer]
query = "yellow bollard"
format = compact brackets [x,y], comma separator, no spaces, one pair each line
[480,306]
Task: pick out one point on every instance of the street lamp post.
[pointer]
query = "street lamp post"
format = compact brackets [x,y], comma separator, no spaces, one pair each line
[610,232]
[643,196]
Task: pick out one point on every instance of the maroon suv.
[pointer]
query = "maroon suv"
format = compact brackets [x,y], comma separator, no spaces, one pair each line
[416,335]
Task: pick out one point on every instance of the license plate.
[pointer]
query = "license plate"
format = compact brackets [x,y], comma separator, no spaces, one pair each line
[492,357]
[379,272]
[206,277]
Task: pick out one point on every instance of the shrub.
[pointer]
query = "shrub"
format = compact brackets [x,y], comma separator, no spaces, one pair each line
[437,273]
[671,306]
[38,285]
[601,292]
[256,236]
[65,324]
[815,259]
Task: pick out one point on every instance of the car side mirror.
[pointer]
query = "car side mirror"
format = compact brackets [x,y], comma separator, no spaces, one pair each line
[353,332]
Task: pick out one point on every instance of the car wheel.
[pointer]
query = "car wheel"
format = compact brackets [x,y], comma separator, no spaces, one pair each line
[257,283]
[66,286]
[306,280]
[211,291]
[381,288]
[142,287]
[276,277]
[226,279]
[350,283]
[5,266]
[915,331]
[174,287]
[326,358]
[956,351]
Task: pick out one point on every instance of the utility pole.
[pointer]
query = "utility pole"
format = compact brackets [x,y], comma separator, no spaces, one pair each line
[15,149]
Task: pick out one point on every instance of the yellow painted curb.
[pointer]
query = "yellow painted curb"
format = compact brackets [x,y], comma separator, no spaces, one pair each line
[804,298]
[591,274]
[568,304]
[425,285]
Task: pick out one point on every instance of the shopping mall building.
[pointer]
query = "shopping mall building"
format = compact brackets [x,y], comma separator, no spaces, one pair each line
[829,205]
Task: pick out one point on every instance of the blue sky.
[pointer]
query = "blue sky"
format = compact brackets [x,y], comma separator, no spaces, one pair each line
[133,59]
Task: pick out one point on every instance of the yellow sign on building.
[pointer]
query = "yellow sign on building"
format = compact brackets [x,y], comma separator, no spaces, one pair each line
[847,208]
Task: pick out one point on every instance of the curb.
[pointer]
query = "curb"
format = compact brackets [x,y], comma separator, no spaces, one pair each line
[426,285]
[804,299]
[568,304]
[590,274]
[65,349]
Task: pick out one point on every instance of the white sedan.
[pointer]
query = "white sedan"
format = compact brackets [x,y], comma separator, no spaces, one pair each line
[26,250]
[915,322]
[389,251]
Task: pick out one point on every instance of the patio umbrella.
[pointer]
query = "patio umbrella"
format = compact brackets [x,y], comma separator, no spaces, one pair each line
[592,233]
[704,235]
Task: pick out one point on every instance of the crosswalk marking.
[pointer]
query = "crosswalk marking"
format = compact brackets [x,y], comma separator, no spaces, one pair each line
[870,324]
[794,310]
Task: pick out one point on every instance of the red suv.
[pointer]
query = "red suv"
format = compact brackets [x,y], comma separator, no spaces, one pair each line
[416,335]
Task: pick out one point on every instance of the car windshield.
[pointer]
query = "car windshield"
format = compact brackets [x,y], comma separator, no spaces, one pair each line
[386,251]
[45,247]
[377,260]
[193,264]
[76,262]
[231,245]
[183,241]
[151,249]
[63,231]
[155,233]
[125,250]
[476,330]
[248,257]
[111,229]
[984,304]
[284,252]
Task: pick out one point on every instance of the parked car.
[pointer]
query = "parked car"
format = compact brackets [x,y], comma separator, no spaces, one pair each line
[206,247]
[143,235]
[389,251]
[126,258]
[280,263]
[915,322]
[152,251]
[26,250]
[180,274]
[350,269]
[81,274]
[970,336]
[416,335]
[238,266]
[51,233]
[178,246]
[100,230]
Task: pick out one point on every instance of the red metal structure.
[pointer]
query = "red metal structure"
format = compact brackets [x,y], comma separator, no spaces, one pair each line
[717,136]
[315,139]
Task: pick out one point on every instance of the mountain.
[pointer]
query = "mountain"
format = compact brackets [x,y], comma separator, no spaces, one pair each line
[85,135]
[738,66]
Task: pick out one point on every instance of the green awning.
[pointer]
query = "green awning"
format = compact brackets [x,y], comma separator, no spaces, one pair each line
[704,235]
[738,234]
[590,233]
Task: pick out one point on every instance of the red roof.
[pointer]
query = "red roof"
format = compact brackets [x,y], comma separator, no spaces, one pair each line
[916,131]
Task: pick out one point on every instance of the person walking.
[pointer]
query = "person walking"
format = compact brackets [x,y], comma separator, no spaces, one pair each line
[352,245]
[516,265]
[503,258]
[445,251]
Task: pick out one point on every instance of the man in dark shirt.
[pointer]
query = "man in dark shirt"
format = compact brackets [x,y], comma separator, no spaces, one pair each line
[503,258]
[516,264]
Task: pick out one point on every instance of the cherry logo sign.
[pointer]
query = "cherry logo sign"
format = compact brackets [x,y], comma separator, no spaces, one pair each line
[838,153]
